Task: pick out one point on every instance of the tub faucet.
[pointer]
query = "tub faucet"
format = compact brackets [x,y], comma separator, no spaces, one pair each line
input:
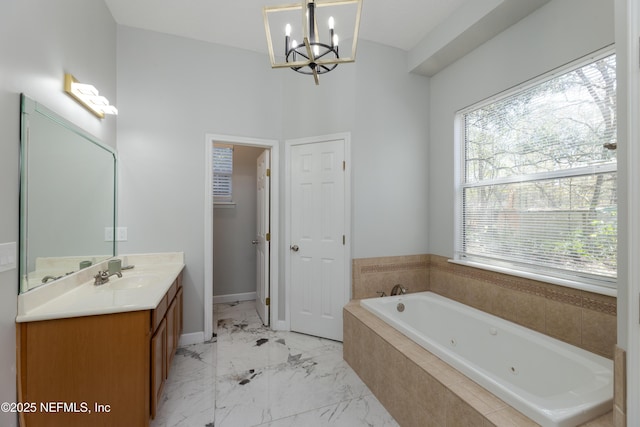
[103,277]
[398,290]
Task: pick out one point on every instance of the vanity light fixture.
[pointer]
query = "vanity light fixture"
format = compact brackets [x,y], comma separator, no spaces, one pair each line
[88,96]
[312,56]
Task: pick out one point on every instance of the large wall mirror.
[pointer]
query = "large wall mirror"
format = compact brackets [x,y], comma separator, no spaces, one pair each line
[67,197]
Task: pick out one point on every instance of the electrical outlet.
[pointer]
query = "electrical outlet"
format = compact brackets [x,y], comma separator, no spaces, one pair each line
[108,234]
[121,234]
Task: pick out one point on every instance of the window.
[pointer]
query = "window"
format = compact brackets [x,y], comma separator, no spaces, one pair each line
[222,173]
[537,191]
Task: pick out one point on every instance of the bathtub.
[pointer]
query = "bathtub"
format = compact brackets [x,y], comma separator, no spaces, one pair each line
[551,382]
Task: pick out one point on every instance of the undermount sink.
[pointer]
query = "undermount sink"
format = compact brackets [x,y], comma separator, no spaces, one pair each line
[132,281]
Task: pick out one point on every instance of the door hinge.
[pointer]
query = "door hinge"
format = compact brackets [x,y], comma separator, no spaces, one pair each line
[268,172]
[344,165]
[344,240]
[267,237]
[267,301]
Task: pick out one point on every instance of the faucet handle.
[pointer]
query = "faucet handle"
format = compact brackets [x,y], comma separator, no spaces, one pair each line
[381,293]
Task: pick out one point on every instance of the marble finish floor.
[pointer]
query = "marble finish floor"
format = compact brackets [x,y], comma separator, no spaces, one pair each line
[253,376]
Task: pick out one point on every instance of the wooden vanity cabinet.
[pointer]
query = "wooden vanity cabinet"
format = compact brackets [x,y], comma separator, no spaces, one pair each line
[103,370]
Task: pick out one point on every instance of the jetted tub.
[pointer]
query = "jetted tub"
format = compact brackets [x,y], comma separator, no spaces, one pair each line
[551,382]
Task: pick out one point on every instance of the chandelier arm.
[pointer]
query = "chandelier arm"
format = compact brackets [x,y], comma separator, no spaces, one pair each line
[303,55]
[309,51]
[324,54]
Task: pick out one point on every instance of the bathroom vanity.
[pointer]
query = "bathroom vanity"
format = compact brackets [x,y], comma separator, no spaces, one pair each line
[89,352]
[99,355]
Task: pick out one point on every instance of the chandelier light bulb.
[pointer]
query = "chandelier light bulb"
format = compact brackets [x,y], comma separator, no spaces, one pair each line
[318,53]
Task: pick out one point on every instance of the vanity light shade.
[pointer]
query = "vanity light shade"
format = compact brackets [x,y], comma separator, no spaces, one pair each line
[88,96]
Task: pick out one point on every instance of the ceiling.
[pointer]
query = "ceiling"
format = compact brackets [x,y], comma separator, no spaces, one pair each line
[426,26]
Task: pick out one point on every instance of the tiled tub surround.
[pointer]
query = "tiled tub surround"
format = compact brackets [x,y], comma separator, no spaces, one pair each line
[620,388]
[553,383]
[415,386]
[581,318]
[371,275]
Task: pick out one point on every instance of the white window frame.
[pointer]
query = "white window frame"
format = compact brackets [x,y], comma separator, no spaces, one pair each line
[604,287]
[226,199]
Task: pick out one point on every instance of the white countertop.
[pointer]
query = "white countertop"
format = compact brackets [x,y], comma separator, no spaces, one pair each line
[76,295]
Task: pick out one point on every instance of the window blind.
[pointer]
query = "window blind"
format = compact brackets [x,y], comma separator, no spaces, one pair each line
[538,191]
[222,184]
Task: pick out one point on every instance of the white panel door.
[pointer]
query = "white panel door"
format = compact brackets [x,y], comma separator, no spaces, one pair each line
[317,249]
[262,241]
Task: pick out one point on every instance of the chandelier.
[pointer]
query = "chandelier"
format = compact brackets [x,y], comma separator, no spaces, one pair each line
[318,52]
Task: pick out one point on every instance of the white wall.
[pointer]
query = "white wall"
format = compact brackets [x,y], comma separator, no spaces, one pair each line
[40,40]
[555,34]
[390,153]
[172,91]
[234,256]
[386,110]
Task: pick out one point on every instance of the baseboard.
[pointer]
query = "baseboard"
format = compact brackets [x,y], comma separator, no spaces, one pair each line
[222,299]
[192,338]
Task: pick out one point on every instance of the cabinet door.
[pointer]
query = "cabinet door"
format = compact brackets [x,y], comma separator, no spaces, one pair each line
[158,365]
[171,333]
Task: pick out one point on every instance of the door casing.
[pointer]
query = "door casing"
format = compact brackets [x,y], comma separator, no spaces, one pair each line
[274,148]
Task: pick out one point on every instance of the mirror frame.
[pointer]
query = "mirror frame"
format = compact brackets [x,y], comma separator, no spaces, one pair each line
[29,107]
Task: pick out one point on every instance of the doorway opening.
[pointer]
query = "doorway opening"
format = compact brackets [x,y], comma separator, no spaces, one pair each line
[270,149]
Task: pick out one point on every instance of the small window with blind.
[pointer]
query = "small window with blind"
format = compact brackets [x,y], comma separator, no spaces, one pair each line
[222,173]
[537,188]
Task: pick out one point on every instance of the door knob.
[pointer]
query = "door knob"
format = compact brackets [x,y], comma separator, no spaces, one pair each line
[255,242]
[294,248]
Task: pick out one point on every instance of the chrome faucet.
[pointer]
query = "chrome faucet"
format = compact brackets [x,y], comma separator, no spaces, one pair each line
[45,279]
[103,277]
[398,290]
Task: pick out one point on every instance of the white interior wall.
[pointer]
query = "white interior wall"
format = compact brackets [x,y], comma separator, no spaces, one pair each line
[172,91]
[390,152]
[386,110]
[40,40]
[234,227]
